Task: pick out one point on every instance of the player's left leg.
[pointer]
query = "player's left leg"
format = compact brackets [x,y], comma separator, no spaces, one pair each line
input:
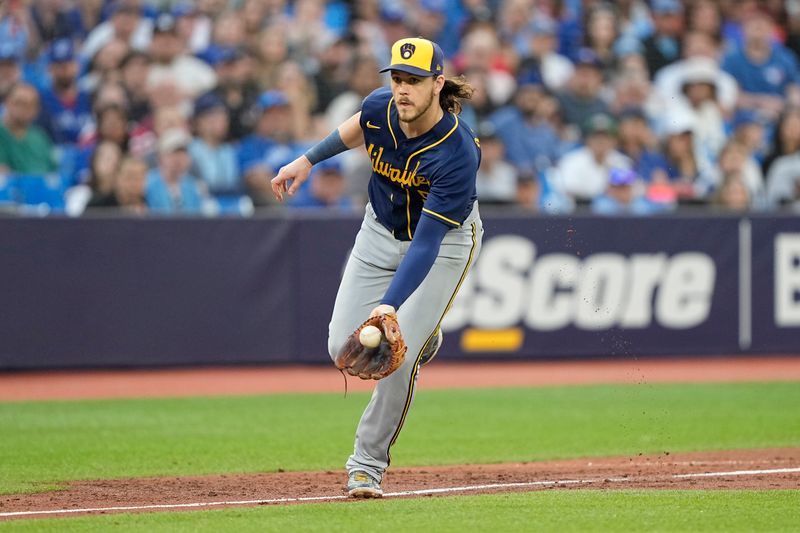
[368,273]
[419,318]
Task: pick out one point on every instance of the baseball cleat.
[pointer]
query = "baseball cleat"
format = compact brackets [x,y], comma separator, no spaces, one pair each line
[431,351]
[362,485]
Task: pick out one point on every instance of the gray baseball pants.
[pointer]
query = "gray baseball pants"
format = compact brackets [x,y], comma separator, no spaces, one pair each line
[369,271]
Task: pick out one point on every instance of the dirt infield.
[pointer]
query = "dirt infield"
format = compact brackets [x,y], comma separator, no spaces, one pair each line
[15,386]
[743,469]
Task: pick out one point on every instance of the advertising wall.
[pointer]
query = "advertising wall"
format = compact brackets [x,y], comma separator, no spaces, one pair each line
[122,292]
[602,286]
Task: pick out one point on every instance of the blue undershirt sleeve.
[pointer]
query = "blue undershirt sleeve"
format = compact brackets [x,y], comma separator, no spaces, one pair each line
[418,261]
[328,147]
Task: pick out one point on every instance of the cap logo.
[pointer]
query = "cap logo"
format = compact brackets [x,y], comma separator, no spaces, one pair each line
[407,50]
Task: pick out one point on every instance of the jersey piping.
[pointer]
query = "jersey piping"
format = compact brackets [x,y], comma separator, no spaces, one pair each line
[389,120]
[448,134]
[437,215]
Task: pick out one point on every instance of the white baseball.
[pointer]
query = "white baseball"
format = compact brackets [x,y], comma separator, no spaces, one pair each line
[370,336]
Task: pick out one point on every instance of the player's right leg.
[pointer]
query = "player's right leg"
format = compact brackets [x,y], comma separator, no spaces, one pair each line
[368,273]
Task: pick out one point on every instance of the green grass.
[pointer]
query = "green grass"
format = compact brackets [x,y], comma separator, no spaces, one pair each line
[44,443]
[583,510]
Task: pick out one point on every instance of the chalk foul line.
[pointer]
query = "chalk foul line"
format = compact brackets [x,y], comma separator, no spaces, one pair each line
[420,492]
[740,473]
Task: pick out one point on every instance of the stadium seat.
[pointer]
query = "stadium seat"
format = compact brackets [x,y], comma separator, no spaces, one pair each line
[69,166]
[33,190]
[7,192]
[230,205]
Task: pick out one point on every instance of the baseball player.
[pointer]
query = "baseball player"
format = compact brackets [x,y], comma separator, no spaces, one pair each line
[420,234]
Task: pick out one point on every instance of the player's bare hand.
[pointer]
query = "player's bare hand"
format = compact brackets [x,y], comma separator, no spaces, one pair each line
[383,309]
[290,177]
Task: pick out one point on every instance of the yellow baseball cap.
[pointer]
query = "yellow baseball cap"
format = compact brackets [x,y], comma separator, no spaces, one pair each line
[417,56]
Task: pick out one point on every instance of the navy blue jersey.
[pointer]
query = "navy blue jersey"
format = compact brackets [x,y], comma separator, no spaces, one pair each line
[432,174]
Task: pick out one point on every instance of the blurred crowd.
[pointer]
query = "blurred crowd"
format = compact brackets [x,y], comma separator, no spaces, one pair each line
[633,106]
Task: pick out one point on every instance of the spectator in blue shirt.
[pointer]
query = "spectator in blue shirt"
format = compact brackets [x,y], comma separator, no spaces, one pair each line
[532,144]
[439,21]
[637,141]
[326,190]
[767,73]
[56,20]
[570,27]
[622,197]
[540,59]
[213,160]
[14,24]
[269,147]
[272,106]
[170,188]
[65,110]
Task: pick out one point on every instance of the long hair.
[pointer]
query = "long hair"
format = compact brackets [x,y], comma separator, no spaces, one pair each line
[455,90]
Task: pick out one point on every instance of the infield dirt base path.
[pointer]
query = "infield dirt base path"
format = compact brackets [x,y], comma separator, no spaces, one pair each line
[635,472]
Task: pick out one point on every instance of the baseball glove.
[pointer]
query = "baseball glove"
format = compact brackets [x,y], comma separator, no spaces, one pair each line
[373,363]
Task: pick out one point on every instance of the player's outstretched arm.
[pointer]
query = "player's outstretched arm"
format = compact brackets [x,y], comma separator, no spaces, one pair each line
[348,135]
[415,265]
